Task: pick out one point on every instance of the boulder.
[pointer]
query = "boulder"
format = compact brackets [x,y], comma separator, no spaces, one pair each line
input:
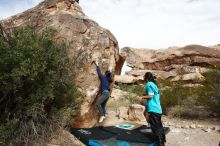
[193,126]
[195,77]
[158,73]
[87,42]
[127,79]
[136,112]
[123,112]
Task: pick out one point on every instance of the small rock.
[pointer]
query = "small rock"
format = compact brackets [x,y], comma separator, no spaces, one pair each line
[193,126]
[186,138]
[186,126]
[200,126]
[216,128]
[207,130]
[170,124]
[178,126]
[52,145]
[175,130]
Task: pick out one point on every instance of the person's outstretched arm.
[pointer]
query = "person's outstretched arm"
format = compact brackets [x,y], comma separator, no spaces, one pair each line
[98,70]
[150,93]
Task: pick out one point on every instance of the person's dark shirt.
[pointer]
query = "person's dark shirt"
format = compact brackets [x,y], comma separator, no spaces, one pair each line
[103,79]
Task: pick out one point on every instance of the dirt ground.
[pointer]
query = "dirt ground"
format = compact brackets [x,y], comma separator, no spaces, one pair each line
[182,134]
[193,136]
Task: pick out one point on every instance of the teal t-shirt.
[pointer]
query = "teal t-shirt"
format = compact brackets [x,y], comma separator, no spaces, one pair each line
[153,104]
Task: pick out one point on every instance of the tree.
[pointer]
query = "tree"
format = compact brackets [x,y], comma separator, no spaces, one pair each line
[36,81]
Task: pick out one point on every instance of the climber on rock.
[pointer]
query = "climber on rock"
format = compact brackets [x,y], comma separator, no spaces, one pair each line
[105,90]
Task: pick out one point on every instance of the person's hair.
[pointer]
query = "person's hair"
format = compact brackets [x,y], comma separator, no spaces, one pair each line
[108,75]
[149,77]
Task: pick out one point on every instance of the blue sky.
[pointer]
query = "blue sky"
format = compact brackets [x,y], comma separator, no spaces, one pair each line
[12,7]
[147,23]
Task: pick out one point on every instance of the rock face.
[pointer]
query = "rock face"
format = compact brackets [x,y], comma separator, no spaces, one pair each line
[126,79]
[88,41]
[171,62]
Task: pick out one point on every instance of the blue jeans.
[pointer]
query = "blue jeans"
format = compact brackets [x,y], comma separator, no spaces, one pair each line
[101,102]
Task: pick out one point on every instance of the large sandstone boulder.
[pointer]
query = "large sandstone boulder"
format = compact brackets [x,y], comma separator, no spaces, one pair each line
[88,41]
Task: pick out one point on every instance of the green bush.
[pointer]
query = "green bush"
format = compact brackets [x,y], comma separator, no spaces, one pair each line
[209,94]
[136,89]
[36,82]
[182,101]
[176,94]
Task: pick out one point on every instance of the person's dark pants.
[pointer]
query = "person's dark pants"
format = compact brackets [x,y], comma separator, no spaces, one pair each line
[157,128]
[101,102]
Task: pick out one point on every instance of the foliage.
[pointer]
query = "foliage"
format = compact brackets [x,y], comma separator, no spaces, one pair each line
[210,92]
[180,100]
[175,93]
[172,94]
[133,90]
[136,89]
[36,82]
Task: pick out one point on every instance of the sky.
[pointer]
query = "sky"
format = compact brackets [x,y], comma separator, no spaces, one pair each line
[146,23]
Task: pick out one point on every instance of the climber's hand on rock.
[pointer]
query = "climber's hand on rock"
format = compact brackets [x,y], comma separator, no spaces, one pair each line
[110,68]
[95,62]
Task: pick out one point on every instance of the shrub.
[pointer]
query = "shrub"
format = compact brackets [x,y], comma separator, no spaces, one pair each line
[210,92]
[175,93]
[136,89]
[36,82]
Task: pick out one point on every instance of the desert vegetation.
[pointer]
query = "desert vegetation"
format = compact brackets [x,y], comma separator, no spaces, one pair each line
[181,99]
[37,90]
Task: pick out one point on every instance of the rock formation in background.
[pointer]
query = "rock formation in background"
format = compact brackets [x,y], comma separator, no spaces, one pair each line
[88,41]
[186,63]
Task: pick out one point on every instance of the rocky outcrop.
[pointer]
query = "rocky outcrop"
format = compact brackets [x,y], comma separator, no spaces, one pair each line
[192,55]
[87,40]
[171,62]
[194,77]
[126,79]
